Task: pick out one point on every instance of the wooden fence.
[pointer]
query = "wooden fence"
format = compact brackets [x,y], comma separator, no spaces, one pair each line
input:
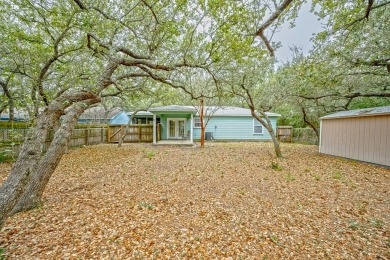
[12,138]
[134,133]
[284,133]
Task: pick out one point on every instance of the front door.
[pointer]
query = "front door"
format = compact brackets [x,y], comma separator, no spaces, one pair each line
[176,128]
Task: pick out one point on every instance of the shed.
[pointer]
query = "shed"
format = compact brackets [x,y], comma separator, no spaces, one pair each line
[362,134]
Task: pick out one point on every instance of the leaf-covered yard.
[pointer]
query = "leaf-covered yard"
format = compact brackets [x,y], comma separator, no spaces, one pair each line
[226,200]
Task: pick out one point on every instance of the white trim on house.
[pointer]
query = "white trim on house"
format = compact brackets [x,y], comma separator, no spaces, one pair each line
[154,130]
[195,121]
[176,127]
[259,124]
[192,128]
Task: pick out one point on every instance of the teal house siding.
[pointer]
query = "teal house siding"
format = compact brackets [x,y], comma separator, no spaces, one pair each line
[234,128]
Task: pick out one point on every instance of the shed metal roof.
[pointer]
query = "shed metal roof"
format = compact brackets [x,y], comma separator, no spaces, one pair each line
[374,111]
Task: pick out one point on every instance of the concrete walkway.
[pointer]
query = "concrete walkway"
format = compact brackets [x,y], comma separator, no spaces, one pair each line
[176,142]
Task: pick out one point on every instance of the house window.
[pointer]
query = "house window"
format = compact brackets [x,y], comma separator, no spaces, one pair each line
[257,127]
[197,123]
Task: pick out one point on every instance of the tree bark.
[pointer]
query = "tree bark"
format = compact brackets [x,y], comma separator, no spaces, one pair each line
[31,197]
[307,121]
[11,106]
[268,125]
[29,158]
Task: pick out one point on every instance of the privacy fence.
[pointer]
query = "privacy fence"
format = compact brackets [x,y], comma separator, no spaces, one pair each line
[11,139]
[297,135]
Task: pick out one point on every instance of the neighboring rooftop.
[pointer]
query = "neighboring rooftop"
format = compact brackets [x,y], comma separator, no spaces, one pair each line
[140,113]
[100,112]
[360,112]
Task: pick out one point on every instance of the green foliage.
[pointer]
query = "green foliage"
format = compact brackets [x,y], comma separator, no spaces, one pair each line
[337,175]
[289,177]
[7,124]
[2,253]
[6,156]
[150,154]
[353,224]
[145,205]
[276,166]
[317,177]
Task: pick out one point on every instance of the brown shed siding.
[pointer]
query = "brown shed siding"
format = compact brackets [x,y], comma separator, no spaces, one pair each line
[361,138]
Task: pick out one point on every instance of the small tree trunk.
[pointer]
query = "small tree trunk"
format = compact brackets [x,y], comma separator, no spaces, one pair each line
[11,110]
[307,121]
[268,125]
[275,141]
[11,106]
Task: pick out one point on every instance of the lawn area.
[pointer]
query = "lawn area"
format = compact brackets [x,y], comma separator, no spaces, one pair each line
[226,200]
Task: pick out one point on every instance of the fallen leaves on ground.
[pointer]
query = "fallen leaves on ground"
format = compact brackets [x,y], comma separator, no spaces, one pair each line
[228,200]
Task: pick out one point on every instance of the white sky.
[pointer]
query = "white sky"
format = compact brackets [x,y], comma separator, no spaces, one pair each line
[305,26]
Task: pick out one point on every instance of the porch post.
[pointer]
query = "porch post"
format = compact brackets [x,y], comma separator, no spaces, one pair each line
[192,128]
[154,129]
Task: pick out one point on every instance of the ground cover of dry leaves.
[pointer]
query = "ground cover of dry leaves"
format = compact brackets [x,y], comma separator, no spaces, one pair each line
[223,201]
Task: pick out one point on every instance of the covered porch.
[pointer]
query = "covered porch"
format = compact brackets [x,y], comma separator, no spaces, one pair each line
[176,124]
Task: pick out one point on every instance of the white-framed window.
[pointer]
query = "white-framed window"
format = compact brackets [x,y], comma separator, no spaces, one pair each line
[197,123]
[257,127]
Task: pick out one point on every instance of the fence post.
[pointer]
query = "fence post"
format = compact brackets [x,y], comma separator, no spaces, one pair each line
[86,137]
[108,134]
[139,133]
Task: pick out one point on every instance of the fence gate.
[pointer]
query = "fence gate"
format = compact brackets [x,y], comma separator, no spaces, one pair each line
[134,133]
[285,133]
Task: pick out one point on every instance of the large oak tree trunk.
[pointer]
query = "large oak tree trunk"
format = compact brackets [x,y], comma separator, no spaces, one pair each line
[32,195]
[29,158]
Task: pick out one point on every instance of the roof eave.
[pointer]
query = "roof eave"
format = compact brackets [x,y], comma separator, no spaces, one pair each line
[349,116]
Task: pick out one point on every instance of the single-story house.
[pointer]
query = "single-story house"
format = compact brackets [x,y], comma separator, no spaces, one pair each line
[225,123]
[362,134]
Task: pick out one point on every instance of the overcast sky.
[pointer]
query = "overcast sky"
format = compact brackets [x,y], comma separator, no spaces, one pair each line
[306,24]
